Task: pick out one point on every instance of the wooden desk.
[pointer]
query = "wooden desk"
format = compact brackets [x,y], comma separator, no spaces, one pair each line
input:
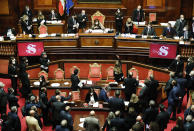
[158,29]
[52,28]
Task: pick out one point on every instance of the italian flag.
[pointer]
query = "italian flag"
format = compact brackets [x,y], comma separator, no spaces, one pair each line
[61,7]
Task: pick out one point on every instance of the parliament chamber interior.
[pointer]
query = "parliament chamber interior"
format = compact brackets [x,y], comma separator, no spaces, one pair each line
[97,65]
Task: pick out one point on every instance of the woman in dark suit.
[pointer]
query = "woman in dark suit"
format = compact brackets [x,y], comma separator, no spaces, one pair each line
[91,96]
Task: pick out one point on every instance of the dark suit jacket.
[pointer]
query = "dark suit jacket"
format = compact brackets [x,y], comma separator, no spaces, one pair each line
[163,119]
[67,116]
[103,96]
[151,32]
[187,126]
[87,99]
[57,107]
[177,68]
[169,33]
[70,23]
[3,98]
[150,115]
[116,104]
[60,128]
[25,25]
[173,97]
[82,24]
[191,83]
[15,123]
[130,85]
[189,67]
[28,13]
[179,26]
[182,82]
[129,29]
[169,86]
[75,81]
[118,123]
[13,100]
[135,15]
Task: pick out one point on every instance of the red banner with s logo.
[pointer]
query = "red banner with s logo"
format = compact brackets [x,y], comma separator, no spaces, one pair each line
[30,48]
[167,51]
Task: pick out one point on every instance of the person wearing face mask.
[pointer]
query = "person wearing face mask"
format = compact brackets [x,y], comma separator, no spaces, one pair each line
[53,15]
[119,21]
[97,25]
[168,32]
[179,25]
[129,26]
[26,25]
[149,30]
[138,14]
[82,19]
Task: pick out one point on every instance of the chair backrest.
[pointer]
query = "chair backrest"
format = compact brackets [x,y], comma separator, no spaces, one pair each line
[75,95]
[95,70]
[59,74]
[73,68]
[98,15]
[135,73]
[43,73]
[42,29]
[110,73]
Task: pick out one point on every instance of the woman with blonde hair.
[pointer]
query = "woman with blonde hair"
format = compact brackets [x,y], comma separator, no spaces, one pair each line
[40,18]
[118,73]
[106,126]
[26,25]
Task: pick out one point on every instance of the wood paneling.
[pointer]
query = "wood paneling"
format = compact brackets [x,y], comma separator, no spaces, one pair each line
[68,43]
[4,7]
[45,4]
[96,42]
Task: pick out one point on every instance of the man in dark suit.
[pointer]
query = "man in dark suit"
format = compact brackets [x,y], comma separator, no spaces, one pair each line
[154,86]
[12,99]
[65,115]
[118,123]
[173,99]
[162,118]
[179,25]
[150,113]
[186,34]
[12,71]
[82,19]
[103,94]
[191,81]
[139,125]
[189,67]
[138,14]
[116,103]
[73,24]
[63,126]
[75,81]
[188,123]
[169,85]
[56,109]
[26,25]
[169,32]
[130,84]
[53,15]
[3,99]
[177,65]
[189,111]
[28,12]
[149,30]
[14,120]
[91,123]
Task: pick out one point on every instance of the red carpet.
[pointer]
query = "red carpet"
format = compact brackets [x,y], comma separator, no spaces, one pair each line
[49,128]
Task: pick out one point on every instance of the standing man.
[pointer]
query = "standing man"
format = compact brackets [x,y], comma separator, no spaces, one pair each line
[130,84]
[28,12]
[177,65]
[82,19]
[179,25]
[65,115]
[3,99]
[138,14]
[91,123]
[73,24]
[103,94]
[75,81]
[119,20]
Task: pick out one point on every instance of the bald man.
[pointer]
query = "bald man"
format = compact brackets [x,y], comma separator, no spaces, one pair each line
[31,122]
[91,123]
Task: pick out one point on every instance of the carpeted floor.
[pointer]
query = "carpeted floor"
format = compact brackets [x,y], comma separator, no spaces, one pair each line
[49,128]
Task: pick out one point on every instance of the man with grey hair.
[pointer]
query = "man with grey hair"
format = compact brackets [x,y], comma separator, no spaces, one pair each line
[3,99]
[188,123]
[65,115]
[139,125]
[189,111]
[118,123]
[31,122]
[91,123]
[14,120]
[169,85]
[63,126]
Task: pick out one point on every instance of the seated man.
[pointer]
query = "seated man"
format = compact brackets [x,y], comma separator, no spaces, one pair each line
[97,25]
[169,32]
[103,94]
[149,30]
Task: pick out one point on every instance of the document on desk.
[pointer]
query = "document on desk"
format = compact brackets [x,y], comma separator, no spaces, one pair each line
[81,125]
[82,119]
